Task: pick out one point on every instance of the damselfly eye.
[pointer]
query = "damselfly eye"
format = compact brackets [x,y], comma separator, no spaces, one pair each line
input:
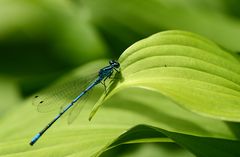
[111,62]
[114,63]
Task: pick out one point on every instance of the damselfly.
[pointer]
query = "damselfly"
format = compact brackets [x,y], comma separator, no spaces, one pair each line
[102,76]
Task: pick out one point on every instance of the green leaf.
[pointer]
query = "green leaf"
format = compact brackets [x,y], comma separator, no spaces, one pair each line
[200,146]
[9,94]
[203,146]
[148,149]
[84,138]
[188,69]
[140,115]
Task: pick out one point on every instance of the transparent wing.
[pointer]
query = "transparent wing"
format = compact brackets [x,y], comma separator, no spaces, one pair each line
[77,108]
[61,94]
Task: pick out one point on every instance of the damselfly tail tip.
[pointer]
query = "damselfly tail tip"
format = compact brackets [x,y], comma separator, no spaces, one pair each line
[34,140]
[31,143]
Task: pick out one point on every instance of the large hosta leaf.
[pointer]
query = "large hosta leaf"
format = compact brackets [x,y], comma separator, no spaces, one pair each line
[190,70]
[84,138]
[136,115]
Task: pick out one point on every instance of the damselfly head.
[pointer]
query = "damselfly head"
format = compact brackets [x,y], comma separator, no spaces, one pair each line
[114,63]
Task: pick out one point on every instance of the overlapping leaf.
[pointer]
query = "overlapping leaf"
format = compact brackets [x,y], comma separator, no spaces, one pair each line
[190,70]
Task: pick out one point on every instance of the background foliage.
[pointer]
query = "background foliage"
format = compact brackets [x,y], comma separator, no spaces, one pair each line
[41,41]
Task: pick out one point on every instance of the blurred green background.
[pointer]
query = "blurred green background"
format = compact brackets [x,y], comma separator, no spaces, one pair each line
[42,40]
